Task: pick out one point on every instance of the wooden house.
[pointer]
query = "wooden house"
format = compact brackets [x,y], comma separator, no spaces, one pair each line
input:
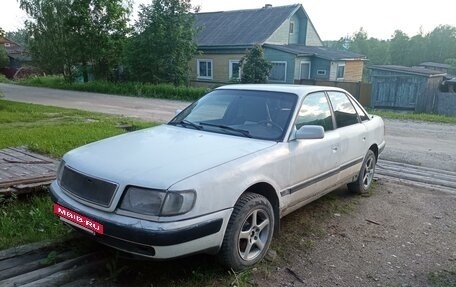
[290,41]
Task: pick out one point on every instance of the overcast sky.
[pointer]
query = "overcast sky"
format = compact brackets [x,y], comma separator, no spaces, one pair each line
[332,18]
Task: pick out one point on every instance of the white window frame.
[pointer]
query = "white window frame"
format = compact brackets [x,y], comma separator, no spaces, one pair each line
[285,74]
[321,72]
[230,75]
[7,44]
[337,71]
[292,27]
[198,62]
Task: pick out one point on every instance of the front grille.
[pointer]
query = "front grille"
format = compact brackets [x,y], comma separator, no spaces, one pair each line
[88,188]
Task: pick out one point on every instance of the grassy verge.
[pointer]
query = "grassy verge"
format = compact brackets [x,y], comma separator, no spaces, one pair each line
[445,278]
[164,91]
[51,131]
[3,79]
[414,116]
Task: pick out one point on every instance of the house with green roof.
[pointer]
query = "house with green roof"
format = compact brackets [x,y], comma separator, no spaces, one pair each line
[288,37]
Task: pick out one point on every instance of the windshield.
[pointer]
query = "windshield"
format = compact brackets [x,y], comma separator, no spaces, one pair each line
[255,114]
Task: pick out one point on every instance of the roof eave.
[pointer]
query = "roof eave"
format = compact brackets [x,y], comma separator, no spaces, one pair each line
[409,72]
[227,46]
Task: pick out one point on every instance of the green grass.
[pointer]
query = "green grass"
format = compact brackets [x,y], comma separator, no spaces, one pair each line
[52,131]
[400,115]
[136,89]
[28,220]
[445,278]
[4,79]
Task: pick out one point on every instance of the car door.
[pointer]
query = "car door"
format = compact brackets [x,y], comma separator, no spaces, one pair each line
[353,144]
[314,162]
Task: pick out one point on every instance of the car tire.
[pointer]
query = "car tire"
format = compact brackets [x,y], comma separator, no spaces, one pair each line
[249,232]
[366,175]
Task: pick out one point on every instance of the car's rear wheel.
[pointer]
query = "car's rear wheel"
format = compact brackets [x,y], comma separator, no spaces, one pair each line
[366,175]
[249,232]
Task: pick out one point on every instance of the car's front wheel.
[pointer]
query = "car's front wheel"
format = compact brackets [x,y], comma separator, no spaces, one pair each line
[366,174]
[249,232]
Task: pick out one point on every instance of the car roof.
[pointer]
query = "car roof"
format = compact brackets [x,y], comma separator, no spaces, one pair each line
[300,90]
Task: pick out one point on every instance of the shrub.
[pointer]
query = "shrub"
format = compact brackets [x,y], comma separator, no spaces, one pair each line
[136,89]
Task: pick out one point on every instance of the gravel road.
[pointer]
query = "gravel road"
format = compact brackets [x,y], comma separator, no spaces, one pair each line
[421,143]
[147,109]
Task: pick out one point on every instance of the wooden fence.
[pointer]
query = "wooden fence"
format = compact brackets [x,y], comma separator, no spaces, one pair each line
[361,91]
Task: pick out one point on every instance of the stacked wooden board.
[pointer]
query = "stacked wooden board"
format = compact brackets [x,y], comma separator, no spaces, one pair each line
[22,170]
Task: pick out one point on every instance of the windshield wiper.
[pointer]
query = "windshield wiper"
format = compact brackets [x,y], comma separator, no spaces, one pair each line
[243,132]
[187,123]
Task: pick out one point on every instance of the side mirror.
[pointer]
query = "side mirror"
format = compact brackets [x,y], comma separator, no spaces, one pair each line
[178,111]
[310,132]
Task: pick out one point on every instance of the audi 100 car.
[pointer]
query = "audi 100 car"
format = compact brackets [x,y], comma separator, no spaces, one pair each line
[219,176]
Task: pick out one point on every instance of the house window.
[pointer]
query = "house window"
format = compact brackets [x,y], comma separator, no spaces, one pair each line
[235,70]
[7,44]
[204,69]
[278,71]
[340,71]
[291,27]
[321,72]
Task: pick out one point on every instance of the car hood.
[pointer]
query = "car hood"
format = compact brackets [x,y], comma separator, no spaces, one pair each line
[160,156]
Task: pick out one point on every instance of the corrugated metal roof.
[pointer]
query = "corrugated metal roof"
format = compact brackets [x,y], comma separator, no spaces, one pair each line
[409,70]
[241,27]
[317,51]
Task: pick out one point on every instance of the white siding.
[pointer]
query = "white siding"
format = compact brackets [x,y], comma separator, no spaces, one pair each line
[333,70]
[281,35]
[312,38]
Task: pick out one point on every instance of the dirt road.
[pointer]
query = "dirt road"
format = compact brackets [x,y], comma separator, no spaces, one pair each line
[147,109]
[409,241]
[421,143]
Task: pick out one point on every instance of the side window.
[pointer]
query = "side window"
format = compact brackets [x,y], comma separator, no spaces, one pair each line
[361,113]
[315,111]
[344,111]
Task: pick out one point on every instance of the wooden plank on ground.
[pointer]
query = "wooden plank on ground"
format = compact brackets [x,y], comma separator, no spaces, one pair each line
[44,272]
[20,168]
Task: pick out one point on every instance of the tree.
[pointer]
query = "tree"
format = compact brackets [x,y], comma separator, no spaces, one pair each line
[3,55]
[452,63]
[441,43]
[163,42]
[100,26]
[255,68]
[359,43]
[399,49]
[65,33]
[19,36]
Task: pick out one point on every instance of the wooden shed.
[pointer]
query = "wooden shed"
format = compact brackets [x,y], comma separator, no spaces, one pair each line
[405,88]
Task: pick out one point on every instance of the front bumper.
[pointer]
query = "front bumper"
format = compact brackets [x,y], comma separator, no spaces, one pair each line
[160,240]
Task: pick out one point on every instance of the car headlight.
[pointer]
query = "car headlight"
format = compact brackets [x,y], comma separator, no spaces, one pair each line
[157,202]
[60,171]
[178,202]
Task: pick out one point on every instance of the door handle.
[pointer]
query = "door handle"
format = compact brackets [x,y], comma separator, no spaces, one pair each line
[334,148]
